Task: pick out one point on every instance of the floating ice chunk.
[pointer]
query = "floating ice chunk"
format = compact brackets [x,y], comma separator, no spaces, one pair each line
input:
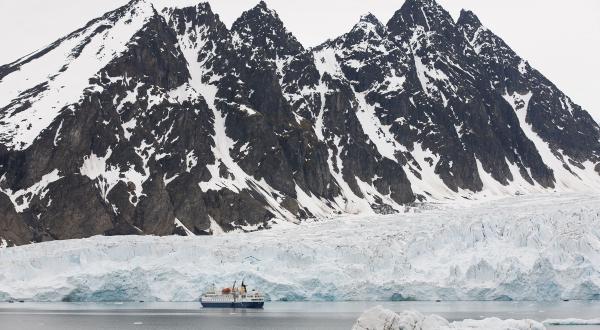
[572,321]
[379,318]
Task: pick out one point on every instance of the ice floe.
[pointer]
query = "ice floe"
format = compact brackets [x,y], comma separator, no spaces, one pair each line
[379,318]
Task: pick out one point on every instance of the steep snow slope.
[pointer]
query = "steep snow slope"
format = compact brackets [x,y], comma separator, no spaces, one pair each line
[539,247]
[54,78]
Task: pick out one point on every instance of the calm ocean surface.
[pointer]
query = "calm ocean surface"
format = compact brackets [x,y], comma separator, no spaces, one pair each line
[276,315]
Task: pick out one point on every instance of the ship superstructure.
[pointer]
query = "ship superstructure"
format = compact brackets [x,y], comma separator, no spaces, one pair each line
[233,297]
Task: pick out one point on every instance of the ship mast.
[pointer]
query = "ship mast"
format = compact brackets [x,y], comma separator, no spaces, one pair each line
[233,291]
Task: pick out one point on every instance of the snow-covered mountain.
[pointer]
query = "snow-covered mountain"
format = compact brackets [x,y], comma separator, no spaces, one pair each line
[163,121]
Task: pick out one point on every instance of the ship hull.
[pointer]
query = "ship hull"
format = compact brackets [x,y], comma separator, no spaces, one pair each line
[239,304]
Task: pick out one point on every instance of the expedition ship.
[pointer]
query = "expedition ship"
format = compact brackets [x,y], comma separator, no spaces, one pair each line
[233,298]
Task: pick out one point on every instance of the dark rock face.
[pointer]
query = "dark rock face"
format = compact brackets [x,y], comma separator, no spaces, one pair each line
[184,126]
[12,224]
[489,129]
[87,213]
[261,30]
[565,126]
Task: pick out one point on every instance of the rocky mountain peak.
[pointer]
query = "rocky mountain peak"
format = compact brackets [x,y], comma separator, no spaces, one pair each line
[136,6]
[477,35]
[262,5]
[369,18]
[369,24]
[261,29]
[421,3]
[189,18]
[430,29]
[425,13]
[518,82]
[367,37]
[134,3]
[260,10]
[204,7]
[468,19]
[483,41]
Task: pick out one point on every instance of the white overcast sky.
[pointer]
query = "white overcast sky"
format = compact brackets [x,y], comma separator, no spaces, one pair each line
[560,38]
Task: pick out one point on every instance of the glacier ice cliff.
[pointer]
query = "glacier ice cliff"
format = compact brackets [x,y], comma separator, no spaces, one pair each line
[535,247]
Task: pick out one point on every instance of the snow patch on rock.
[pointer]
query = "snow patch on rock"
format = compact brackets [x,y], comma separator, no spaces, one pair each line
[21,198]
[568,178]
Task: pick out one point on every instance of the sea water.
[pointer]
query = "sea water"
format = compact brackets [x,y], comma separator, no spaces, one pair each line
[275,315]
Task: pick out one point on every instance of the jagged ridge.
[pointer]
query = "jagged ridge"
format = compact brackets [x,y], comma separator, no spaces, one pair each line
[163,122]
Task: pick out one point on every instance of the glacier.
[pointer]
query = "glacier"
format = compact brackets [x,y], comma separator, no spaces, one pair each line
[527,247]
[379,318]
